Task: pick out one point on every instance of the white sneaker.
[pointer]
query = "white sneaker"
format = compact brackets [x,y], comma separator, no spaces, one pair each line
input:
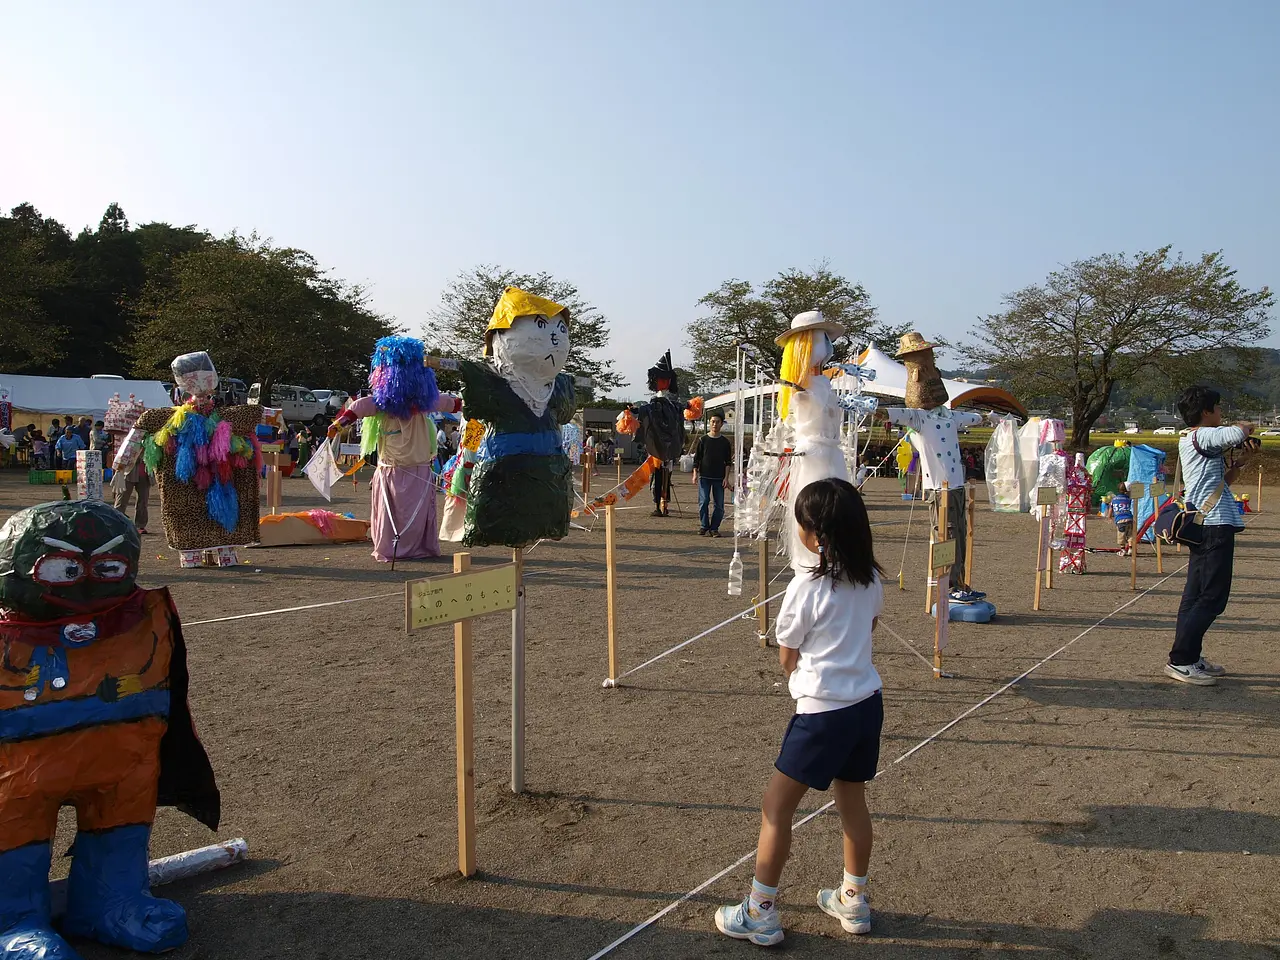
[1194,673]
[1212,669]
[764,930]
[854,915]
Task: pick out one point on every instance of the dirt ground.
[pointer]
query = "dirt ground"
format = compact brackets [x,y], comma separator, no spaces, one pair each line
[1095,809]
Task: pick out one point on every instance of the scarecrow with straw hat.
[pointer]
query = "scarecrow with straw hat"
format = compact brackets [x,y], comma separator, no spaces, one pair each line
[809,405]
[934,435]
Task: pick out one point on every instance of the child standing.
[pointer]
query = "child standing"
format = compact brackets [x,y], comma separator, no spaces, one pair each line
[1121,507]
[833,740]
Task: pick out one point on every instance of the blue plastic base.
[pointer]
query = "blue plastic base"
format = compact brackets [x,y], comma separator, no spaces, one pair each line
[980,611]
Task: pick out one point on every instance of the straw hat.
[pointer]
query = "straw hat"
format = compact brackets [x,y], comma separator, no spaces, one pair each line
[810,320]
[913,343]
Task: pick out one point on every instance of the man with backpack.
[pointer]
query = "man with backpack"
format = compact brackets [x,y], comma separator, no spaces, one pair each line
[1207,479]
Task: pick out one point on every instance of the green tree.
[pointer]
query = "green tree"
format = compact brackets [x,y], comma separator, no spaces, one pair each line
[1152,322]
[33,269]
[737,314]
[456,328]
[265,313]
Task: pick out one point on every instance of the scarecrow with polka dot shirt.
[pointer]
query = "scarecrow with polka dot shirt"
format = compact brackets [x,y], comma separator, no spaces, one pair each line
[934,435]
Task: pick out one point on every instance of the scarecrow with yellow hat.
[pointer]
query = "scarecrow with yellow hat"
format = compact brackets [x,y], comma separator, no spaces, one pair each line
[809,405]
[521,486]
[934,435]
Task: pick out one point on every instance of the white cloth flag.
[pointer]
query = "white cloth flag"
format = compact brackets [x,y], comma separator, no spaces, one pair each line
[322,470]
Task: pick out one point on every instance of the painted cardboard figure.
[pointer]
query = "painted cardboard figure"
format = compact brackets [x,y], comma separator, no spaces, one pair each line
[206,461]
[662,422]
[936,439]
[94,715]
[521,485]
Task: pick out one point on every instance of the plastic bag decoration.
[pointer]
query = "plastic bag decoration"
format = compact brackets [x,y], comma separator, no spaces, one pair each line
[521,486]
[93,714]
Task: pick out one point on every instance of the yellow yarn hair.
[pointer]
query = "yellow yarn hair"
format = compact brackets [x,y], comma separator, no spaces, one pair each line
[796,360]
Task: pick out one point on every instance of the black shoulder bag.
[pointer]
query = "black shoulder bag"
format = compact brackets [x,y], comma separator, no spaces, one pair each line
[1180,523]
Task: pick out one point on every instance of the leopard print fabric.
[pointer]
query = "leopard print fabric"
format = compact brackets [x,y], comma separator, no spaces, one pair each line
[187,525]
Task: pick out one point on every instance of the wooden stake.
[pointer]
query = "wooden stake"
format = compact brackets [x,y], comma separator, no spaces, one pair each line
[1159,553]
[617,462]
[517,677]
[1133,564]
[943,502]
[1257,506]
[762,608]
[464,731]
[1040,563]
[943,617]
[588,461]
[611,589]
[970,499]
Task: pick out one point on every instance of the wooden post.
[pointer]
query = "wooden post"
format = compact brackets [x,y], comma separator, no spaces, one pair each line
[611,590]
[1133,561]
[617,462]
[1257,506]
[942,499]
[1159,553]
[517,677]
[970,501]
[275,480]
[1040,561]
[941,622]
[588,461]
[464,720]
[762,608]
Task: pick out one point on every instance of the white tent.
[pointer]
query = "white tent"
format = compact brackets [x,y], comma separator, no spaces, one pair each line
[75,396]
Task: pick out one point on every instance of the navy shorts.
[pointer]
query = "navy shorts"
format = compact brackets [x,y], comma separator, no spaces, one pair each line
[839,744]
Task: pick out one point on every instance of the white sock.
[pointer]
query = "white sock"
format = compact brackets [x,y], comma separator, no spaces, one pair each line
[763,899]
[852,886]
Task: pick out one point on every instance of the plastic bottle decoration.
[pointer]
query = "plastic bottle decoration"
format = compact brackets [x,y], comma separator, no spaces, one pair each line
[93,714]
[206,460]
[1079,504]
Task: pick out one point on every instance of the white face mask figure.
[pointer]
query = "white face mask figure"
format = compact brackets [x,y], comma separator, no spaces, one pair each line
[530,354]
[823,350]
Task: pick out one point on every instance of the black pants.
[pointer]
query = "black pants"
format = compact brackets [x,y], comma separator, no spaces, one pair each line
[660,483]
[1206,594]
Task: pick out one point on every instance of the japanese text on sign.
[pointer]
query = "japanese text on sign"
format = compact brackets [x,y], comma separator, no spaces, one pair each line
[460,596]
[942,554]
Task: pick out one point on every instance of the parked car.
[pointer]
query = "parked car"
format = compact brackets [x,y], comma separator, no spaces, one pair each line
[1165,432]
[335,399]
[298,403]
[1270,433]
[1132,431]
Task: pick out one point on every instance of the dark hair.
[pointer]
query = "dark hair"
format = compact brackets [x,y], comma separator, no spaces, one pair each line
[1195,402]
[717,416]
[834,510]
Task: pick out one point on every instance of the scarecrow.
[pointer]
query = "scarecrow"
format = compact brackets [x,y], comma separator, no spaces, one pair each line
[397,426]
[94,715]
[206,460]
[521,486]
[935,437]
[814,416]
[662,420]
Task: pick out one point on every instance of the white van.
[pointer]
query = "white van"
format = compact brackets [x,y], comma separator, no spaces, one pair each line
[299,404]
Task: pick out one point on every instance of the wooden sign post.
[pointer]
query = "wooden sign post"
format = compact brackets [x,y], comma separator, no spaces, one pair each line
[1257,506]
[274,460]
[762,608]
[458,599]
[517,676]
[611,590]
[1045,498]
[942,556]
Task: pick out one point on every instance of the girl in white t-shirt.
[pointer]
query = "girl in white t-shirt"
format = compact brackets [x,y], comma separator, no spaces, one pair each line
[833,740]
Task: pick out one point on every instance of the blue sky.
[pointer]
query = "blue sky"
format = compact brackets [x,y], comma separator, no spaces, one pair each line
[941,153]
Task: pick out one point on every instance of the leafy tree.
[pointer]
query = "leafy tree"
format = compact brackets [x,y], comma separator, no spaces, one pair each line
[33,267]
[1152,322]
[456,328]
[737,314]
[261,311]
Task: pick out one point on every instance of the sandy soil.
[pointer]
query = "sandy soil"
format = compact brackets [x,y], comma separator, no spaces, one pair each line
[1095,809]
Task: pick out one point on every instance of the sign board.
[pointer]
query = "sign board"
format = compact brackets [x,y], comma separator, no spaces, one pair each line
[1046,496]
[459,596]
[349,450]
[942,554]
